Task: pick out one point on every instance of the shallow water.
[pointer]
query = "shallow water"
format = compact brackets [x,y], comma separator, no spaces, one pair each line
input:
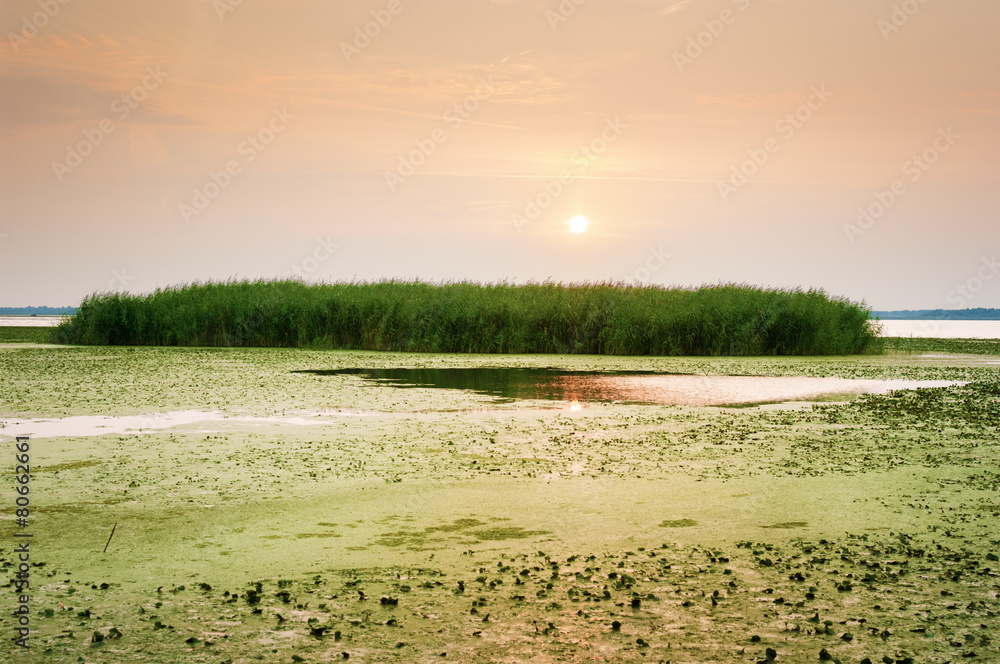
[399,486]
[31,321]
[636,387]
[572,389]
[100,425]
[942,329]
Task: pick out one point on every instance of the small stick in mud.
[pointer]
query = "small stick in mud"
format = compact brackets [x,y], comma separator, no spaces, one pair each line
[109,537]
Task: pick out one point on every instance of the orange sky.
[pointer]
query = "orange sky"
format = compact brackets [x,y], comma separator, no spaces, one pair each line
[156,143]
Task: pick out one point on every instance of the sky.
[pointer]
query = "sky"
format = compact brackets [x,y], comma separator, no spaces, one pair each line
[848,145]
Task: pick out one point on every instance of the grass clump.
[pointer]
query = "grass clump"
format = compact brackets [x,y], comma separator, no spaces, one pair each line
[26,335]
[916,345]
[603,318]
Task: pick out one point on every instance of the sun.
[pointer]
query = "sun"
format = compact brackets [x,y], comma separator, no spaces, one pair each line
[578,224]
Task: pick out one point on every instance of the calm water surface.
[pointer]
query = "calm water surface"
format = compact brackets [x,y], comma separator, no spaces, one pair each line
[508,384]
[942,329]
[570,390]
[31,321]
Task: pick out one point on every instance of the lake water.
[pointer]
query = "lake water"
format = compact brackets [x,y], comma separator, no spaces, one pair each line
[942,329]
[30,321]
[196,420]
[508,384]
[573,389]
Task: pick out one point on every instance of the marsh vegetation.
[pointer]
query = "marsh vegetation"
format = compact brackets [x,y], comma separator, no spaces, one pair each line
[612,319]
[355,504]
[411,522]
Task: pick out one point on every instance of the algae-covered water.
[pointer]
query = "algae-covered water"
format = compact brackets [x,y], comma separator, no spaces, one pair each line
[274,504]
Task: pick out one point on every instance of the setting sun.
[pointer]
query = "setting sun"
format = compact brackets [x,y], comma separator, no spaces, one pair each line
[578,224]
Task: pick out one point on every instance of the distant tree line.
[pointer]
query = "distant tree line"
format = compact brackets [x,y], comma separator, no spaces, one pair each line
[37,311]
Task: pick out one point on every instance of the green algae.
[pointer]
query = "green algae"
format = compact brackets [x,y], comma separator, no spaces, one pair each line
[509,533]
[787,525]
[899,492]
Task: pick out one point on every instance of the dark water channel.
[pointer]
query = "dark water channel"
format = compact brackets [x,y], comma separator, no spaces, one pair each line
[507,384]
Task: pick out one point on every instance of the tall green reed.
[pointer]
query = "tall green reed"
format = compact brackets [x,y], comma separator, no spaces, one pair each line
[600,318]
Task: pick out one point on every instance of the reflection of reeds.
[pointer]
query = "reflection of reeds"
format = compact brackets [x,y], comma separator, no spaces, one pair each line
[601,318]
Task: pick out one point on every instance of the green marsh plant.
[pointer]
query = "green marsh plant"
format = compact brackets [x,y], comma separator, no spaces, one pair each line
[467,317]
